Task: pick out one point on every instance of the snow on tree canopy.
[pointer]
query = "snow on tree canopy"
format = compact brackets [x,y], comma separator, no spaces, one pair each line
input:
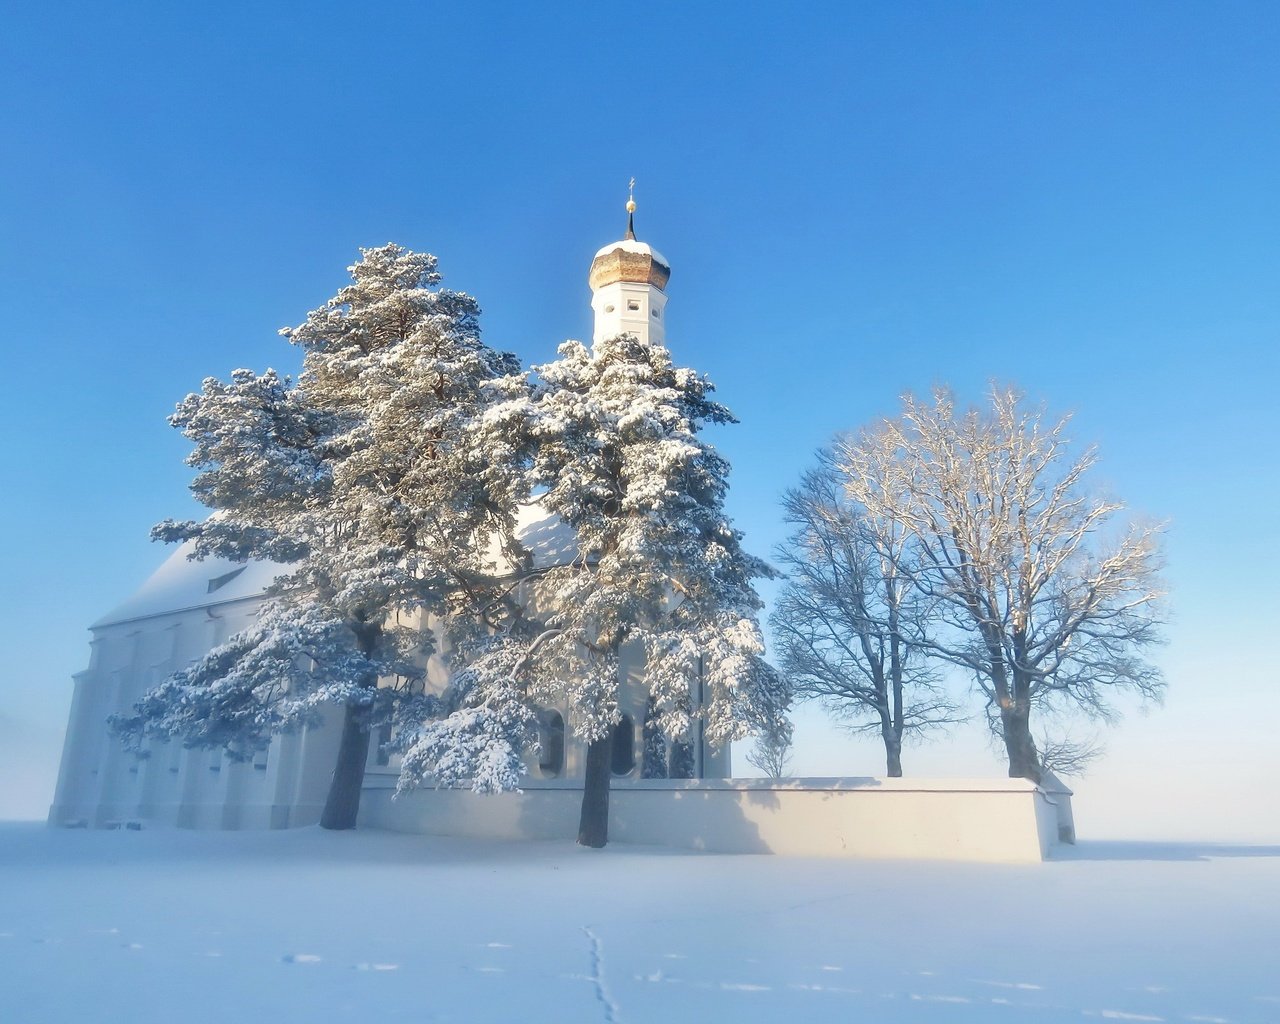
[611,440]
[364,478]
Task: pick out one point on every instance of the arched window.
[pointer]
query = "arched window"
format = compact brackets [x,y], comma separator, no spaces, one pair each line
[624,747]
[551,740]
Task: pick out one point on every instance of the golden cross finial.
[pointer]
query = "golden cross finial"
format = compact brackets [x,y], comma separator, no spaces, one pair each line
[631,196]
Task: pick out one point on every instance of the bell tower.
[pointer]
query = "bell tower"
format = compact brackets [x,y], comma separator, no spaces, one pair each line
[628,286]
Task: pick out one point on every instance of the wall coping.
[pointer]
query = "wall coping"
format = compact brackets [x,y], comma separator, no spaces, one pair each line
[382,779]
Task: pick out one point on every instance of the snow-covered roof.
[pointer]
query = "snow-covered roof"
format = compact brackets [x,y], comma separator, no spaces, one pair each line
[548,537]
[631,245]
[181,584]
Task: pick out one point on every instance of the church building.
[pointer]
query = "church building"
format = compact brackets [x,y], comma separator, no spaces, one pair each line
[188,607]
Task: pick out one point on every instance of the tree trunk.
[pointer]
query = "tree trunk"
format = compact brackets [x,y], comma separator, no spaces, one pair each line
[893,755]
[593,826]
[894,727]
[892,724]
[1024,759]
[891,734]
[343,802]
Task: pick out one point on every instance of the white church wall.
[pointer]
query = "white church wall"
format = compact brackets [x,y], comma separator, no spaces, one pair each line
[69,797]
[101,784]
[317,755]
[1000,820]
[186,636]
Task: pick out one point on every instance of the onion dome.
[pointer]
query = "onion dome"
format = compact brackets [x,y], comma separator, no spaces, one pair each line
[629,260]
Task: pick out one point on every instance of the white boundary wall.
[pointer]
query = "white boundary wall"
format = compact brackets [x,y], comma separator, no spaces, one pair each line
[1010,820]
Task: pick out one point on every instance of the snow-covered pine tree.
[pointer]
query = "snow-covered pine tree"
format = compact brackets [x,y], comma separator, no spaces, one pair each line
[682,764]
[364,481]
[615,450]
[654,753]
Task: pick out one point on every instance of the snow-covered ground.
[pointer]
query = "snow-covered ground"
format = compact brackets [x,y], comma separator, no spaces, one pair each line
[308,926]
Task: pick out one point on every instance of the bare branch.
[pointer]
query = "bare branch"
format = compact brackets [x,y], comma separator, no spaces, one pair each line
[851,628]
[1036,589]
[771,754]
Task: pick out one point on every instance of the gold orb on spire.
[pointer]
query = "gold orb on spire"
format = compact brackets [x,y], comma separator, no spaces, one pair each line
[631,211]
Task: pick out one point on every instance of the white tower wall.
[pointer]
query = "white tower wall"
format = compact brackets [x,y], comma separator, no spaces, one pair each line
[628,307]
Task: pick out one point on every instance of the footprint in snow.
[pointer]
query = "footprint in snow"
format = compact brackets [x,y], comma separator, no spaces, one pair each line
[1022,986]
[300,958]
[837,989]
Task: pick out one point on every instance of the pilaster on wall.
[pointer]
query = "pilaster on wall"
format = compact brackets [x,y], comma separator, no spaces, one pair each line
[71,797]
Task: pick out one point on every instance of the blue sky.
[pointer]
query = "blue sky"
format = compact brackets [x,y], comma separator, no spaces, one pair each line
[856,200]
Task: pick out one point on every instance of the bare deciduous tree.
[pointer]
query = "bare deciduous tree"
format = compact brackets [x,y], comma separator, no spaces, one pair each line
[849,623]
[771,754]
[1050,602]
[1064,755]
